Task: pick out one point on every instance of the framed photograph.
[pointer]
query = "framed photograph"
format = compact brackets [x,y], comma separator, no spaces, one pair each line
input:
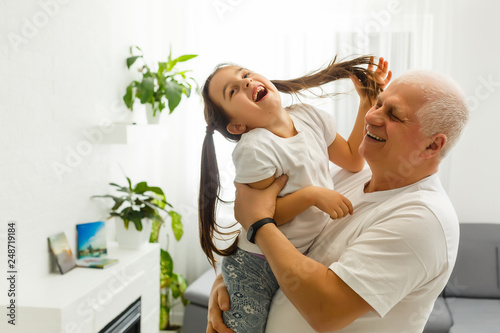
[61,250]
[91,240]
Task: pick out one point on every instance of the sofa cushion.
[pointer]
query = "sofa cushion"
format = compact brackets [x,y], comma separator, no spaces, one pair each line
[199,291]
[474,315]
[477,270]
[440,319]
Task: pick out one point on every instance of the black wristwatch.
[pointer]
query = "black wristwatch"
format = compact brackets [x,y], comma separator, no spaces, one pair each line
[256,226]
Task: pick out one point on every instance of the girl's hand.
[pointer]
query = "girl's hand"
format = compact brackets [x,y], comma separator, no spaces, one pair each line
[217,302]
[332,202]
[383,76]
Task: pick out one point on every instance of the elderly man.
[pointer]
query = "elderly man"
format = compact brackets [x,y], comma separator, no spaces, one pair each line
[380,269]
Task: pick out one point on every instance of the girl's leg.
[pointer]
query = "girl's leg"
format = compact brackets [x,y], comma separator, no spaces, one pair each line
[251,285]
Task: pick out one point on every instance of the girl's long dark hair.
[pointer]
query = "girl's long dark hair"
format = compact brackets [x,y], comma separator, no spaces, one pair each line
[217,120]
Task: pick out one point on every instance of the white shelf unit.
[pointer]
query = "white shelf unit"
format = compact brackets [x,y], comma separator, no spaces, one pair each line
[128,133]
[84,300]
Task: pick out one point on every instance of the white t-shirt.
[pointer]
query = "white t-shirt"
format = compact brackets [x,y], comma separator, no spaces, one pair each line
[261,154]
[396,251]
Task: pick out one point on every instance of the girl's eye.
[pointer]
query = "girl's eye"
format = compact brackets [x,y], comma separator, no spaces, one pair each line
[232,92]
[246,75]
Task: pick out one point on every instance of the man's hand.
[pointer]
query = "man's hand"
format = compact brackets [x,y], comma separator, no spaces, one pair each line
[252,205]
[217,302]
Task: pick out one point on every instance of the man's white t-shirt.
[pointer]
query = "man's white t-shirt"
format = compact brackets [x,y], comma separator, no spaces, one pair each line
[261,154]
[396,251]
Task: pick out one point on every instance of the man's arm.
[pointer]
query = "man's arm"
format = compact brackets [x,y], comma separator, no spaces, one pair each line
[323,299]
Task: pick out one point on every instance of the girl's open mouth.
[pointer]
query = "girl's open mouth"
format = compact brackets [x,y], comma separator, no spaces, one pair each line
[259,93]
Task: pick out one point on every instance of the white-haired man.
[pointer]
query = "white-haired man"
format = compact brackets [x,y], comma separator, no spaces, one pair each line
[380,269]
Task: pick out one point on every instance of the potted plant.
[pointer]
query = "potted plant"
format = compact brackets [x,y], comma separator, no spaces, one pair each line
[161,88]
[172,288]
[143,204]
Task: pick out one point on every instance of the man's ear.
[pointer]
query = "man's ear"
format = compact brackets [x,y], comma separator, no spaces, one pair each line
[435,146]
[236,128]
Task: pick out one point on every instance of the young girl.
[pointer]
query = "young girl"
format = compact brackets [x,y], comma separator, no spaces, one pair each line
[298,141]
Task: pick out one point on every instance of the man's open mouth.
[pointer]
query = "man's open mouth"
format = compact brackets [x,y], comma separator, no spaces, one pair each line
[373,136]
[259,93]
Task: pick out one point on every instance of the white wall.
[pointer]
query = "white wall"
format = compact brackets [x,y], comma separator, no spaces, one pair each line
[474,179]
[63,73]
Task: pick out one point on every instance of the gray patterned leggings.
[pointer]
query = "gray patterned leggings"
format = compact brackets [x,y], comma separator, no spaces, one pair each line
[251,285]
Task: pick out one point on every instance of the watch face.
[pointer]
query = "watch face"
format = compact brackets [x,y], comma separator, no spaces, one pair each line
[250,234]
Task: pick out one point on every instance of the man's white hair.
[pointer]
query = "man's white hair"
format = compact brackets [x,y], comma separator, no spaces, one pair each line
[445,110]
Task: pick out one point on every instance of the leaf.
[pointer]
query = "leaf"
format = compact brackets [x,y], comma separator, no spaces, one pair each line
[166,267]
[162,66]
[132,215]
[164,317]
[176,224]
[129,96]
[131,60]
[155,229]
[147,89]
[186,90]
[129,183]
[118,200]
[186,57]
[174,94]
[174,287]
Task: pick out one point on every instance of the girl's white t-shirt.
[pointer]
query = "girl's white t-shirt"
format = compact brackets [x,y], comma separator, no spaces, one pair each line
[261,154]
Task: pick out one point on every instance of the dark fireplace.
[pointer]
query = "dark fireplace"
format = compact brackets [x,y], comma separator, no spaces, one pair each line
[129,321]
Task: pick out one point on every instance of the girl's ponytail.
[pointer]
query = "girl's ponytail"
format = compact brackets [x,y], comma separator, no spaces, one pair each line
[334,71]
[207,201]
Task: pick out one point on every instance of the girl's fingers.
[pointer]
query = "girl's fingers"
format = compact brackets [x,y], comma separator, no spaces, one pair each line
[389,77]
[345,209]
[370,65]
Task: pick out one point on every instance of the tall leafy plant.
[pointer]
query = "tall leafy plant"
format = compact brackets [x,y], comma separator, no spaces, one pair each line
[162,88]
[148,202]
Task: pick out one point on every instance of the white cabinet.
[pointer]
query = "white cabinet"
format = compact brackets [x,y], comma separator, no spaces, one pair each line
[84,300]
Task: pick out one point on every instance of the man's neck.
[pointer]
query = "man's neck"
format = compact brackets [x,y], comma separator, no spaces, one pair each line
[383,180]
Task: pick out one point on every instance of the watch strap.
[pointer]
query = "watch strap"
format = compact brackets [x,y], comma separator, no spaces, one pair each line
[252,231]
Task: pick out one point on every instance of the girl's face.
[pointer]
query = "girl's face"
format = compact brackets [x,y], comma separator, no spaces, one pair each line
[248,99]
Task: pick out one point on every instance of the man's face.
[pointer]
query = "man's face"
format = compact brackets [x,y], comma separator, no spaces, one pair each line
[393,135]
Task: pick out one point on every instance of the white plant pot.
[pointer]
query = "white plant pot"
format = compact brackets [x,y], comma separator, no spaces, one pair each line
[149,115]
[131,238]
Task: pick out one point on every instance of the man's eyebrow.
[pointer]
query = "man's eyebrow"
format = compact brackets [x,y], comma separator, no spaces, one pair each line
[225,87]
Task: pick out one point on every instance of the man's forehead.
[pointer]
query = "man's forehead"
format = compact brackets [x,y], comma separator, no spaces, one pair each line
[402,96]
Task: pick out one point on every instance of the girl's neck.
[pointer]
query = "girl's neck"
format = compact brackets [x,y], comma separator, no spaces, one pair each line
[282,125]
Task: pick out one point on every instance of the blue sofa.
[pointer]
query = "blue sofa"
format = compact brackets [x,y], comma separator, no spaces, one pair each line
[470,302]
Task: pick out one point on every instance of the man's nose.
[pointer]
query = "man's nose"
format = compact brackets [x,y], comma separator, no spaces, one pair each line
[374,116]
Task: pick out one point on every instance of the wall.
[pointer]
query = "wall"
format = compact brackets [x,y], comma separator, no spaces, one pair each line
[474,178]
[63,73]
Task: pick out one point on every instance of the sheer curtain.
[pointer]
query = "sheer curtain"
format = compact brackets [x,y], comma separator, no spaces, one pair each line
[284,39]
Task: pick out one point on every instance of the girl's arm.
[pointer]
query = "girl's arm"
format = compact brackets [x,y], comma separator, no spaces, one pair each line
[345,153]
[288,207]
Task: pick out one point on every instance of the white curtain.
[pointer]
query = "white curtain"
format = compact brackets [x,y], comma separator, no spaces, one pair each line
[285,39]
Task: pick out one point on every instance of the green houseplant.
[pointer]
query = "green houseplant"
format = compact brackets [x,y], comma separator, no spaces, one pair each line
[141,202]
[160,88]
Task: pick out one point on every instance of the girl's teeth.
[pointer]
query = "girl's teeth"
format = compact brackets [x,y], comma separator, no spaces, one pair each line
[260,88]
